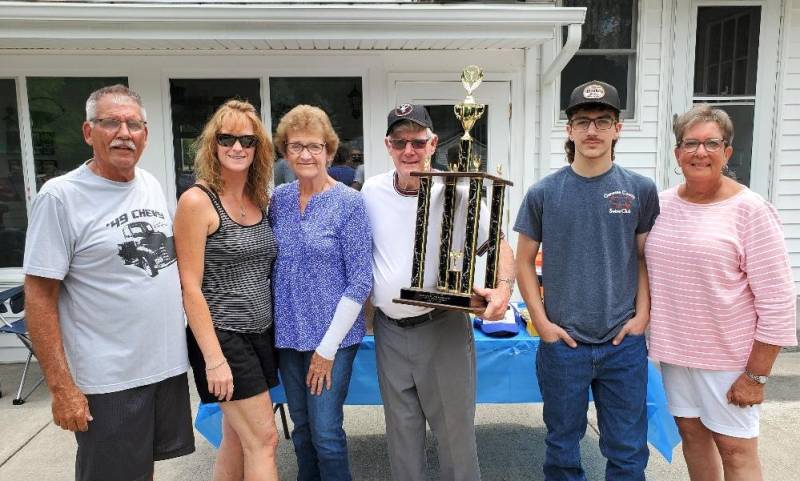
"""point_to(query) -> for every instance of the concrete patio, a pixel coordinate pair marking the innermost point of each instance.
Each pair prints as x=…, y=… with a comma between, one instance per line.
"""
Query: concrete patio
x=510, y=440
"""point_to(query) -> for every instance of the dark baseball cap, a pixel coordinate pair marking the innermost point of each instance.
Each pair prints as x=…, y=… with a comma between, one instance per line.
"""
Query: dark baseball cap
x=415, y=113
x=594, y=92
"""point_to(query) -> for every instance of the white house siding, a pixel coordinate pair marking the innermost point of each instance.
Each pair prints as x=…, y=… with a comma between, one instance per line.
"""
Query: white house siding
x=786, y=192
x=638, y=145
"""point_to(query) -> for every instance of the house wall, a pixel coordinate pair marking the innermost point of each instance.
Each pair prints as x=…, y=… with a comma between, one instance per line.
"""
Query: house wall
x=149, y=75
x=645, y=143
x=786, y=178
x=638, y=145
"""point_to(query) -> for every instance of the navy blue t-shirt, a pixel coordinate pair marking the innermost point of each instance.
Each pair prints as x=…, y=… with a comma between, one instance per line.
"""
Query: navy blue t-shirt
x=587, y=227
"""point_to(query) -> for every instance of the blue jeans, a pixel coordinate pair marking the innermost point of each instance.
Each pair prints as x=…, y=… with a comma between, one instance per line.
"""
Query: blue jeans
x=617, y=376
x=320, y=443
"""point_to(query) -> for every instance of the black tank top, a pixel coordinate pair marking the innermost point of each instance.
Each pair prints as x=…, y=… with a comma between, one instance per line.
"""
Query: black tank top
x=237, y=272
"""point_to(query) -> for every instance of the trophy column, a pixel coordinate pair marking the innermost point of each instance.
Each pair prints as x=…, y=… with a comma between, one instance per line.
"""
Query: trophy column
x=471, y=240
x=496, y=219
x=421, y=232
x=445, y=281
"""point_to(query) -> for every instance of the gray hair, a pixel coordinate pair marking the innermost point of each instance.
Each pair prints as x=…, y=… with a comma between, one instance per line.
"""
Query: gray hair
x=701, y=113
x=119, y=91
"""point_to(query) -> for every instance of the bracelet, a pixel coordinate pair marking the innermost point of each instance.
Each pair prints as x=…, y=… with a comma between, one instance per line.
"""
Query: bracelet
x=224, y=361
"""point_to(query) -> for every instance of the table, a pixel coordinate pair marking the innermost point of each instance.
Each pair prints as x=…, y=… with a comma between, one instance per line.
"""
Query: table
x=506, y=375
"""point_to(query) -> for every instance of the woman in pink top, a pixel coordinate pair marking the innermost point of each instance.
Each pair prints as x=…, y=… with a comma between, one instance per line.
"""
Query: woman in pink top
x=723, y=301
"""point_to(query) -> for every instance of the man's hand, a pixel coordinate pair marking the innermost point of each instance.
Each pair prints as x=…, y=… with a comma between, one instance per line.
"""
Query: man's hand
x=636, y=325
x=496, y=301
x=319, y=374
x=71, y=409
x=745, y=392
x=552, y=333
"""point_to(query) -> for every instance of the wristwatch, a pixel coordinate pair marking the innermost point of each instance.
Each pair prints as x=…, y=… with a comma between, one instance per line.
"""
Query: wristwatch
x=756, y=377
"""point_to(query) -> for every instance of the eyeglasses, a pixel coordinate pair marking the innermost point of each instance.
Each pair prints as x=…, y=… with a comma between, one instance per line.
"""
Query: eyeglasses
x=297, y=148
x=416, y=144
x=603, y=123
x=229, y=140
x=711, y=145
x=112, y=125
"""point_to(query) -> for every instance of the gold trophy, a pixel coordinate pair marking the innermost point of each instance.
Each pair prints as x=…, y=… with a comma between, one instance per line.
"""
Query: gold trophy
x=456, y=270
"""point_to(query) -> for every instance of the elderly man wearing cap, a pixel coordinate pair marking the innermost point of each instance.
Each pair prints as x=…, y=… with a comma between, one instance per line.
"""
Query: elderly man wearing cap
x=592, y=217
x=426, y=358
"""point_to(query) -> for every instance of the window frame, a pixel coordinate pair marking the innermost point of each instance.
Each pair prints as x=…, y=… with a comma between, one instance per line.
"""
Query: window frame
x=632, y=53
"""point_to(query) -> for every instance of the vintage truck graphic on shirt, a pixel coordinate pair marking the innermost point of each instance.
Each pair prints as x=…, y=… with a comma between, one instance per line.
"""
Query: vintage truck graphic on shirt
x=146, y=248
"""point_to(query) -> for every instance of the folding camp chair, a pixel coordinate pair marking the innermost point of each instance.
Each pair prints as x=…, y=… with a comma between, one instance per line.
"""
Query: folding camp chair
x=13, y=301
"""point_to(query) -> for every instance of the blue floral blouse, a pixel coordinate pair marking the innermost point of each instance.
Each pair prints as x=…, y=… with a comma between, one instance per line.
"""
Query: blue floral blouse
x=323, y=254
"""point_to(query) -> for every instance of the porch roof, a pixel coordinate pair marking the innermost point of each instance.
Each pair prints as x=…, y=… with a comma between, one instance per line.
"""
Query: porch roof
x=268, y=25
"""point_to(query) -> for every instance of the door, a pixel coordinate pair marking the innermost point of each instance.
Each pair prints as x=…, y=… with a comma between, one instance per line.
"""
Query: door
x=732, y=66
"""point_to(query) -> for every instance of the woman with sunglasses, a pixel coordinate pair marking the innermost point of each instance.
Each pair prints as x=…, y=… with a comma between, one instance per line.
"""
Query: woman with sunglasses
x=226, y=249
x=723, y=300
x=323, y=275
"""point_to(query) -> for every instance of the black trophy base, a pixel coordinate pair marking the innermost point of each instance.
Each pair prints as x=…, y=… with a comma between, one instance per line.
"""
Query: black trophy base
x=436, y=299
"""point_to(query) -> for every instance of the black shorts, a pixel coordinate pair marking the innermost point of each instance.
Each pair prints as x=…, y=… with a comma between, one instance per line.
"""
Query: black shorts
x=252, y=358
x=133, y=428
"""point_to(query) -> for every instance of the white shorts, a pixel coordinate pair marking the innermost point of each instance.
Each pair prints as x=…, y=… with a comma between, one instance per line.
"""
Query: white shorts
x=702, y=393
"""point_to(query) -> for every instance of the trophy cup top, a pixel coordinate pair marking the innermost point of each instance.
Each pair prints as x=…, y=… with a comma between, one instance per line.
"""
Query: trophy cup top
x=471, y=78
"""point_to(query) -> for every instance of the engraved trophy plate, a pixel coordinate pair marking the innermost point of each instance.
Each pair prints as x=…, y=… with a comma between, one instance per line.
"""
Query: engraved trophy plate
x=457, y=249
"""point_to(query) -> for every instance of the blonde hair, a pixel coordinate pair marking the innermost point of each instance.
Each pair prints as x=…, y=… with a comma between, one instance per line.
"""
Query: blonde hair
x=306, y=118
x=206, y=163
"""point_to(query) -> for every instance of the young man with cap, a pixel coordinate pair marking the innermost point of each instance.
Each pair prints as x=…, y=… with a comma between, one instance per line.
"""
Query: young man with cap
x=426, y=357
x=592, y=218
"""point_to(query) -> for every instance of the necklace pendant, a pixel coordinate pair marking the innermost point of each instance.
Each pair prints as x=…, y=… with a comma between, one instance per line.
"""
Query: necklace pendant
x=242, y=213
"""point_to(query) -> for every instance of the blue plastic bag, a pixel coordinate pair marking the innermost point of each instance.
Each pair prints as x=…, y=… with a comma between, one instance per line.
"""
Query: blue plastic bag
x=209, y=423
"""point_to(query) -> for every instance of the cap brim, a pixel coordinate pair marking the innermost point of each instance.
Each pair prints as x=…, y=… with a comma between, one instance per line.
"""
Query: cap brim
x=389, y=129
x=577, y=106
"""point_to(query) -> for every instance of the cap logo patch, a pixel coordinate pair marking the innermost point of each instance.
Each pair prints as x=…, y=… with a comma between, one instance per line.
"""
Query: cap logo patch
x=594, y=91
x=403, y=110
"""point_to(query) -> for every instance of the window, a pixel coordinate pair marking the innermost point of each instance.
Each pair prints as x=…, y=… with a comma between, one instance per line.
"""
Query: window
x=13, y=213
x=607, y=51
x=340, y=98
x=193, y=102
x=725, y=68
x=58, y=109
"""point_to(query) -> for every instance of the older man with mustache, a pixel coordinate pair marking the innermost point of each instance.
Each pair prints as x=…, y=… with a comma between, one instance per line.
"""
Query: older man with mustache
x=103, y=301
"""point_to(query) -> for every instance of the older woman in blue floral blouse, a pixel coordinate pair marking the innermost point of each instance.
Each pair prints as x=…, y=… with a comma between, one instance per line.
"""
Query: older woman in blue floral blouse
x=322, y=277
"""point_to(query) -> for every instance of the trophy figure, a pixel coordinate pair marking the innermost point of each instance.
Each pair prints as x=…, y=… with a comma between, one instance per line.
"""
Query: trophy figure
x=456, y=264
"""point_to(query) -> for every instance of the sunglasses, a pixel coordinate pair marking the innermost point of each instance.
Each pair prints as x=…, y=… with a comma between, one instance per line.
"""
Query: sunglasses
x=228, y=140
x=400, y=144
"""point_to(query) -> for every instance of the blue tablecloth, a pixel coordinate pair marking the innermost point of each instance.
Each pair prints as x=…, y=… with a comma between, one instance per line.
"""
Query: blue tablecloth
x=506, y=374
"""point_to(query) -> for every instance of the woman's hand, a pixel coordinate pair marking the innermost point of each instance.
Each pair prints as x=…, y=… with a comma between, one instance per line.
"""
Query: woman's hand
x=220, y=380
x=319, y=374
x=745, y=392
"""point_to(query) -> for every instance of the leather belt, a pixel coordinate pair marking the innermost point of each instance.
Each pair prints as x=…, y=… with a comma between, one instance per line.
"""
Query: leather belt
x=407, y=322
